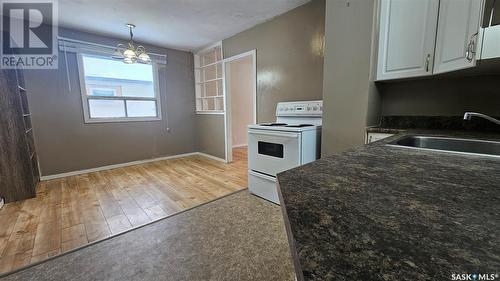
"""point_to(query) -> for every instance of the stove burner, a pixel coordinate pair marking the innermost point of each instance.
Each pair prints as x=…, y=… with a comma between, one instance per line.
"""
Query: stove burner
x=273, y=124
x=299, y=125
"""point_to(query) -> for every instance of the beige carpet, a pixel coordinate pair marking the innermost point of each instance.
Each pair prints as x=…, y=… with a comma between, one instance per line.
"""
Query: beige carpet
x=238, y=237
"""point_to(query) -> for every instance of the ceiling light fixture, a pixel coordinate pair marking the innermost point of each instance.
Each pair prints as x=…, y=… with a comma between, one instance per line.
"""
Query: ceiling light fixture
x=130, y=53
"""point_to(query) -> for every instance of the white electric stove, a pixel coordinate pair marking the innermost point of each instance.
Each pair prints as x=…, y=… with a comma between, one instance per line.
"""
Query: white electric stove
x=294, y=140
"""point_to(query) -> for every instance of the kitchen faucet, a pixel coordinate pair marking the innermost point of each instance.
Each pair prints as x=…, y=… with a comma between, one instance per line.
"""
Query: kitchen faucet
x=469, y=115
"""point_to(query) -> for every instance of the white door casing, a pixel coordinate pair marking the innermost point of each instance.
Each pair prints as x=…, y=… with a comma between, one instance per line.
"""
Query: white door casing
x=227, y=100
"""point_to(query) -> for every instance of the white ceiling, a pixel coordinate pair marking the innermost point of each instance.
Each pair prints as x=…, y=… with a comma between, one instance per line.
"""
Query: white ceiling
x=179, y=24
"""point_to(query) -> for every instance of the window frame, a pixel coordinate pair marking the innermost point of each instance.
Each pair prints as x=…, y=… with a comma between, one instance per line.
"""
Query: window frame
x=115, y=89
x=86, y=98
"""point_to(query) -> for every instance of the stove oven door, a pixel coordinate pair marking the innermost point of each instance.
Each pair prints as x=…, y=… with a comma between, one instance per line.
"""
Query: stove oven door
x=271, y=152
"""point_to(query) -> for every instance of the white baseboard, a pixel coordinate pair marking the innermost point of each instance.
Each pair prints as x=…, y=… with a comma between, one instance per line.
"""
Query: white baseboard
x=212, y=157
x=121, y=165
x=240, y=145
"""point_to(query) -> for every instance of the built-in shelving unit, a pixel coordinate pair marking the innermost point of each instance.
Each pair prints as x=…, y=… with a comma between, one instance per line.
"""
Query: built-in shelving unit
x=209, y=78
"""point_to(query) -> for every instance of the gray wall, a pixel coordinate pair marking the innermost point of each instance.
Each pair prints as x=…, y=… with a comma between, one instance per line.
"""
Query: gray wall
x=211, y=135
x=289, y=57
x=444, y=96
x=289, y=66
x=350, y=97
x=65, y=143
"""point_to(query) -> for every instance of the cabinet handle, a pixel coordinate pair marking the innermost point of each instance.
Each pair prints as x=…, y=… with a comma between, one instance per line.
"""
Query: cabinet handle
x=427, y=62
x=471, y=48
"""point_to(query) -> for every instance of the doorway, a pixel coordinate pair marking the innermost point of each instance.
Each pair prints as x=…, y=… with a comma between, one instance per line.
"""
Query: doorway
x=240, y=100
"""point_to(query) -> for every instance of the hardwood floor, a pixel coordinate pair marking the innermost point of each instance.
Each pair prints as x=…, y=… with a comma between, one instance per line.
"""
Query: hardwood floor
x=71, y=212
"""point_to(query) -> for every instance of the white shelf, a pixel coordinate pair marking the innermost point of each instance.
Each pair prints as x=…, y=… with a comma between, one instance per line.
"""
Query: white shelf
x=208, y=81
x=208, y=112
x=210, y=97
x=207, y=65
x=209, y=92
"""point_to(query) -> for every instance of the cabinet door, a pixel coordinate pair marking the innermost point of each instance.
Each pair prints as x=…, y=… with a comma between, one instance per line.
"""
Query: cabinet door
x=406, y=38
x=457, y=34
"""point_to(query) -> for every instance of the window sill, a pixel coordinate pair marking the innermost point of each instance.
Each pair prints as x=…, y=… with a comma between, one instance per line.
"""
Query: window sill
x=121, y=120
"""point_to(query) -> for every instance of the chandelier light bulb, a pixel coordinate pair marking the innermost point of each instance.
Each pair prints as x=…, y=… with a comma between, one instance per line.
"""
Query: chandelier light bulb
x=129, y=54
x=144, y=58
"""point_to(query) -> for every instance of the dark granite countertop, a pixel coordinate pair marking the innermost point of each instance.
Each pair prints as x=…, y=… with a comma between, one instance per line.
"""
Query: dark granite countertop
x=386, y=213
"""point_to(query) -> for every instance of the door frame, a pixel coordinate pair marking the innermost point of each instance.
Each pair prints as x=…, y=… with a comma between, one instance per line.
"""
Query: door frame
x=227, y=100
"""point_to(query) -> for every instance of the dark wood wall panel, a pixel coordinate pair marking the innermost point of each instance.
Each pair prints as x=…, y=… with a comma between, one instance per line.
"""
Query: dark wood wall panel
x=18, y=176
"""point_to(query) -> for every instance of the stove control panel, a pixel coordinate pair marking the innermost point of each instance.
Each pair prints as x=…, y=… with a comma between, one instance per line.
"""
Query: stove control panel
x=300, y=108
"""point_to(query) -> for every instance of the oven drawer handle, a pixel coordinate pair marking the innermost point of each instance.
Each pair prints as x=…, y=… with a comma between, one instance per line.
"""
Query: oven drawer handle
x=276, y=134
x=262, y=176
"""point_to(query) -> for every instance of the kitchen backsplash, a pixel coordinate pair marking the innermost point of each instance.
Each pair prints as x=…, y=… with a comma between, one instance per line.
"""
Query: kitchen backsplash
x=438, y=123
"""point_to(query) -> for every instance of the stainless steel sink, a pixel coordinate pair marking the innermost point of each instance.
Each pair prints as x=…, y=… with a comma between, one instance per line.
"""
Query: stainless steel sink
x=454, y=145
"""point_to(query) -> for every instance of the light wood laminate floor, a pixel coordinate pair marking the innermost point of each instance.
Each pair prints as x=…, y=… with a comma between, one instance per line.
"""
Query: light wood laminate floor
x=73, y=211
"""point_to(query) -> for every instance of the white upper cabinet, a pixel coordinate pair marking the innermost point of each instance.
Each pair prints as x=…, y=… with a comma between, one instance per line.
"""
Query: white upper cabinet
x=406, y=38
x=425, y=37
x=457, y=34
x=490, y=31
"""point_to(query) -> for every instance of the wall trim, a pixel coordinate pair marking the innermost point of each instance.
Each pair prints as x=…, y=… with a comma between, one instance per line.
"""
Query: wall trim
x=126, y=164
x=240, y=145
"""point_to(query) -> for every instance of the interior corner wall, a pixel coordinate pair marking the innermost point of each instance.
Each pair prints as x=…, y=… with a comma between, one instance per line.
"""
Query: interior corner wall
x=349, y=94
x=211, y=134
x=289, y=52
x=65, y=143
x=289, y=66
